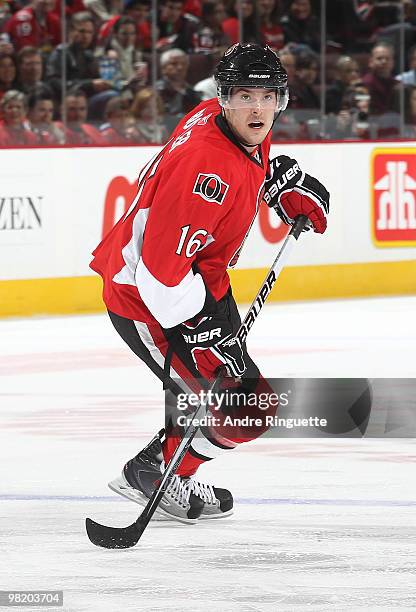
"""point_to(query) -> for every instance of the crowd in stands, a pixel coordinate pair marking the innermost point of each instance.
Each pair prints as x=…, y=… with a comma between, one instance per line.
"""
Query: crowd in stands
x=95, y=86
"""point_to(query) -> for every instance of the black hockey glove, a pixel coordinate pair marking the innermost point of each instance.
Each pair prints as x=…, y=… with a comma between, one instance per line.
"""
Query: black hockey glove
x=215, y=333
x=291, y=193
x=283, y=175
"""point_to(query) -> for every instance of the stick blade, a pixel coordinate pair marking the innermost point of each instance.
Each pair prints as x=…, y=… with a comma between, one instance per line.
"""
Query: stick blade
x=113, y=537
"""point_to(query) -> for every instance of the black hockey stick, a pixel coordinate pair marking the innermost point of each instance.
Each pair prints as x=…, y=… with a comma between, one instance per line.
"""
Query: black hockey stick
x=126, y=537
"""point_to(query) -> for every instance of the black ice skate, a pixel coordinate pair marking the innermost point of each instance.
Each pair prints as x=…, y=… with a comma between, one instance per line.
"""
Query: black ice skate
x=141, y=475
x=185, y=500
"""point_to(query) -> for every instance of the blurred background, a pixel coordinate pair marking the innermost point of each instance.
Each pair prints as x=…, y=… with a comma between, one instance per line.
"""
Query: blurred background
x=125, y=71
x=91, y=89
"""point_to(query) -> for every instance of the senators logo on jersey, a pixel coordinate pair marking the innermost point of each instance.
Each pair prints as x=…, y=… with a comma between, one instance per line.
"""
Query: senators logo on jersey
x=210, y=187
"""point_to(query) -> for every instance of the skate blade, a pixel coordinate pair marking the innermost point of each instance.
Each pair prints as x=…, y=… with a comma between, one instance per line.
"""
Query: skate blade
x=208, y=517
x=121, y=486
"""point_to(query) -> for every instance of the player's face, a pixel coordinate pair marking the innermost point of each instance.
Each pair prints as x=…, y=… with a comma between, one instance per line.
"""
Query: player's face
x=250, y=114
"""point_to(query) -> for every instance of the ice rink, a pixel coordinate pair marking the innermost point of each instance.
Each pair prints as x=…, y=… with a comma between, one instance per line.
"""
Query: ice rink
x=319, y=525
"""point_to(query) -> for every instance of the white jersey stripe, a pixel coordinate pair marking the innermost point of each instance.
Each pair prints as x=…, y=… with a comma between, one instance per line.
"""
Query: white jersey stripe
x=204, y=447
x=171, y=305
x=133, y=249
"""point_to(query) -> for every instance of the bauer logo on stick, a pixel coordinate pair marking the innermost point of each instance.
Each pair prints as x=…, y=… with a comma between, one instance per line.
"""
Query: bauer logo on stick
x=211, y=188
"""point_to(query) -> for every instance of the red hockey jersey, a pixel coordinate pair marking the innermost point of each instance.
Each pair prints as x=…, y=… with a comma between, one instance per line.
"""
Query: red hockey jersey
x=26, y=30
x=196, y=202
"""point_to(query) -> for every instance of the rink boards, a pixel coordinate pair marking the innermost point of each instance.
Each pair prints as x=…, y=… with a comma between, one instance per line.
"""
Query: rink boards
x=56, y=204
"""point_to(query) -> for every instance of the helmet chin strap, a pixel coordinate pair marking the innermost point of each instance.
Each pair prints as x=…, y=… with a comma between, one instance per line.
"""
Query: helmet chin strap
x=276, y=117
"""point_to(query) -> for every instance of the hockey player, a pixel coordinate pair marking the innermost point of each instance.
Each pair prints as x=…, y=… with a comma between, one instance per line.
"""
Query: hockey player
x=164, y=264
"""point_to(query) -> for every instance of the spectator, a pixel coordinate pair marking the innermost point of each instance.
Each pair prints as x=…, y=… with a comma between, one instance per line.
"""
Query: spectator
x=193, y=7
x=361, y=102
x=300, y=26
x=148, y=111
x=14, y=128
x=288, y=127
x=303, y=94
x=379, y=80
x=41, y=111
x=351, y=24
x=29, y=70
x=35, y=25
x=7, y=74
x=76, y=129
x=392, y=31
x=410, y=112
x=175, y=29
x=209, y=38
x=351, y=122
x=287, y=58
x=102, y=10
x=81, y=66
x=6, y=47
x=120, y=127
x=347, y=73
x=71, y=7
x=139, y=11
x=5, y=14
x=231, y=26
x=409, y=77
x=207, y=88
x=123, y=43
x=271, y=30
x=177, y=95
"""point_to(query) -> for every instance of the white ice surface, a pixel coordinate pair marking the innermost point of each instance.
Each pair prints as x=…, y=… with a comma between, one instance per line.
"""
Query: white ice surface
x=319, y=524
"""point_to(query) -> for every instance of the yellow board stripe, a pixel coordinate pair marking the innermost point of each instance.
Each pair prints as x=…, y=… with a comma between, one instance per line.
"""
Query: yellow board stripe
x=77, y=295
x=72, y=295
x=330, y=281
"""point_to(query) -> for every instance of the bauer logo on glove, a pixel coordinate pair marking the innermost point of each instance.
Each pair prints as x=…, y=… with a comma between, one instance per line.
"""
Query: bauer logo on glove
x=215, y=333
x=291, y=193
x=283, y=173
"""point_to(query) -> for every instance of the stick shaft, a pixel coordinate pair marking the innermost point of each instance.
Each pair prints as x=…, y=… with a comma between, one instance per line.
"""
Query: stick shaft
x=245, y=327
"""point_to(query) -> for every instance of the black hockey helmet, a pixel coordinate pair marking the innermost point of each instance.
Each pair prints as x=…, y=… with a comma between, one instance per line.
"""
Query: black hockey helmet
x=251, y=65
